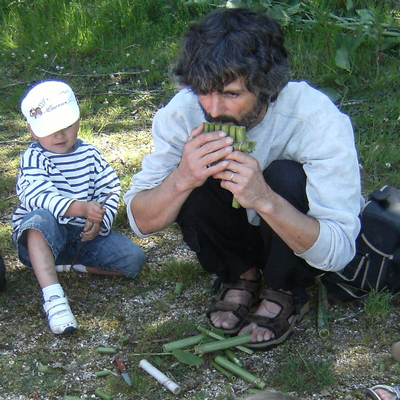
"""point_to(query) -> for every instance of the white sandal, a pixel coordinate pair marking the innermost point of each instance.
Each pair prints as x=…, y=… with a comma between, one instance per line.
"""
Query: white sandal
x=371, y=393
x=59, y=316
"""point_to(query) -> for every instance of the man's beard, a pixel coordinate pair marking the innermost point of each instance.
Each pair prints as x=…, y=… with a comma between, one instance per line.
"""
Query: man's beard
x=249, y=120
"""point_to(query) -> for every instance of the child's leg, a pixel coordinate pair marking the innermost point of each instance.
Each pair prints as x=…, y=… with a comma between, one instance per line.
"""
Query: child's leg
x=114, y=254
x=42, y=258
x=38, y=238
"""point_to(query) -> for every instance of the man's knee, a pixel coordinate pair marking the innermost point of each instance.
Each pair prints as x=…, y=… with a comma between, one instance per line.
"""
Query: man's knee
x=288, y=179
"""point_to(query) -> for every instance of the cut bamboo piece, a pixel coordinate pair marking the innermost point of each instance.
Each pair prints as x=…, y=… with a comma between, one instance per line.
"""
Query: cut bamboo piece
x=245, y=375
x=323, y=321
x=222, y=344
x=183, y=343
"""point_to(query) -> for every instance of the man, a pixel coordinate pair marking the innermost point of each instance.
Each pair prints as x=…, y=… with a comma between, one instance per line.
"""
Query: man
x=299, y=191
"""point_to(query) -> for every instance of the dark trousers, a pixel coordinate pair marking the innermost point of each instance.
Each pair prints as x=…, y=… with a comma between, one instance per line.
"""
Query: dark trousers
x=228, y=245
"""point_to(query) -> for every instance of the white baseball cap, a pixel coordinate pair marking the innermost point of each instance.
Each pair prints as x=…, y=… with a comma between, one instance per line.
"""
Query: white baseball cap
x=49, y=107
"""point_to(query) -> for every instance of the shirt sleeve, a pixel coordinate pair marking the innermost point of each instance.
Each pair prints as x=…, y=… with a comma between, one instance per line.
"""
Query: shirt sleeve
x=171, y=128
x=333, y=191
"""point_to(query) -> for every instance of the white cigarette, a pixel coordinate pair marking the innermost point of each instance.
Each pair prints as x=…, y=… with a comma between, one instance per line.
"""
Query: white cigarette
x=163, y=379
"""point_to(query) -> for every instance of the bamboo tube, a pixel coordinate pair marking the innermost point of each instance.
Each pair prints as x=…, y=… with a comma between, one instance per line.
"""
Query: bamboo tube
x=179, y=288
x=224, y=372
x=102, y=395
x=233, y=357
x=72, y=398
x=232, y=132
x=121, y=342
x=222, y=344
x=106, y=372
x=241, y=134
x=245, y=375
x=323, y=322
x=219, y=337
x=45, y=369
x=106, y=350
x=182, y=343
x=225, y=128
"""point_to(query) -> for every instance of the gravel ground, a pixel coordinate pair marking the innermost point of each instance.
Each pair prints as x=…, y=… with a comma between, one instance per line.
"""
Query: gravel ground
x=146, y=311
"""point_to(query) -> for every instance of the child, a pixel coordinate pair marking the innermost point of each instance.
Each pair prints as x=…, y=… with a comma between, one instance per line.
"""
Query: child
x=62, y=184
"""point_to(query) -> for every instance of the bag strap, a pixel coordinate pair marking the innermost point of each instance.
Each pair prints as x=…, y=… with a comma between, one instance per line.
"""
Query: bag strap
x=380, y=195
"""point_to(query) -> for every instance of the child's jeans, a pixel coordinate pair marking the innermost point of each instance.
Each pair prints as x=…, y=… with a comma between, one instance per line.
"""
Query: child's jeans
x=111, y=252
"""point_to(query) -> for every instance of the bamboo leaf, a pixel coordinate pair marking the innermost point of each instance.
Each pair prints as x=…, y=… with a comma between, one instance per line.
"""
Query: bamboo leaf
x=342, y=59
x=186, y=357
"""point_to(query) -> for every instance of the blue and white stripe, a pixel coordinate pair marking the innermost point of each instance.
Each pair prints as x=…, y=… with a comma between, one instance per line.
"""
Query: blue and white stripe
x=53, y=181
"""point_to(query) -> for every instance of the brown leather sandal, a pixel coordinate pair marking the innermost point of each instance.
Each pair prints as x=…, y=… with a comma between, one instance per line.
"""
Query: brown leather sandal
x=278, y=325
x=239, y=310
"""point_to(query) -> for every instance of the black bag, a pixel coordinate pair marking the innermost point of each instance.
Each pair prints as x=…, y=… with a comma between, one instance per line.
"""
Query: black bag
x=2, y=274
x=376, y=264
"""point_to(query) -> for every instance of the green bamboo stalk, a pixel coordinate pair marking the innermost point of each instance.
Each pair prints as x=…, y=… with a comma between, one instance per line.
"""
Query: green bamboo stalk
x=222, y=344
x=233, y=357
x=232, y=132
x=72, y=398
x=223, y=371
x=245, y=375
x=105, y=372
x=225, y=128
x=180, y=286
x=182, y=343
x=123, y=341
x=219, y=337
x=241, y=134
x=45, y=369
x=323, y=322
x=102, y=395
x=106, y=350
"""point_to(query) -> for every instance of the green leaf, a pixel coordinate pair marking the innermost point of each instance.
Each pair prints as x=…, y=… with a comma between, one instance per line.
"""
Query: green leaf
x=366, y=15
x=187, y=357
x=342, y=59
x=331, y=93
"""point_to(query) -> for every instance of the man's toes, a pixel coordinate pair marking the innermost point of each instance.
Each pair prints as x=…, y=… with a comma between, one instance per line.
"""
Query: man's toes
x=247, y=329
x=225, y=320
x=230, y=322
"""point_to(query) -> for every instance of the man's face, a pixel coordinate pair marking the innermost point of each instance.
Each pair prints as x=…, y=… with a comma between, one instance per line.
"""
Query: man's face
x=234, y=104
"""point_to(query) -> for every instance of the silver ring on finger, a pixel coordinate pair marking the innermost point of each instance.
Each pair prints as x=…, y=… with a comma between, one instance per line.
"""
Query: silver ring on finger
x=233, y=175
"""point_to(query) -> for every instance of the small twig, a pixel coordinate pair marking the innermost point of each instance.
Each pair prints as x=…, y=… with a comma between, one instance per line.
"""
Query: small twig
x=94, y=75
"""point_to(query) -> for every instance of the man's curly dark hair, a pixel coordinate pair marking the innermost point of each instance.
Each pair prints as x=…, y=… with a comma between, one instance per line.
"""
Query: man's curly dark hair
x=233, y=43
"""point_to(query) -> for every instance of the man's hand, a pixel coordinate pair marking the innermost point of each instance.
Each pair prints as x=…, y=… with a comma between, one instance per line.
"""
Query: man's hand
x=244, y=178
x=202, y=155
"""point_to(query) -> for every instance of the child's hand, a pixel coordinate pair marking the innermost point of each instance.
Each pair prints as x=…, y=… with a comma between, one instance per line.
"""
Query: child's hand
x=94, y=212
x=90, y=231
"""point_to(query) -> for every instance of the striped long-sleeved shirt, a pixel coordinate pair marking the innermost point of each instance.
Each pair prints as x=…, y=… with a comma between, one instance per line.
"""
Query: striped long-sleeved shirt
x=53, y=181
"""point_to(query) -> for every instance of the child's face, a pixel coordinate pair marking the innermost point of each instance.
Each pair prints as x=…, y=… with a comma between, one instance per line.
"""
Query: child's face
x=60, y=142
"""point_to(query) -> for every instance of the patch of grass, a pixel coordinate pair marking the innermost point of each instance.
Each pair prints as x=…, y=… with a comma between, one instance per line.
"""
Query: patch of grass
x=377, y=306
x=118, y=56
x=298, y=373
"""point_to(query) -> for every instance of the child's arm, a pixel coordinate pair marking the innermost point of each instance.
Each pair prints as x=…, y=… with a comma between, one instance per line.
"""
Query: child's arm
x=92, y=211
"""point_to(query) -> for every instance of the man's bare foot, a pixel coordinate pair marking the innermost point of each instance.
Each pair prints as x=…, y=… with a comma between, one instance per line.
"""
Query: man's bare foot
x=384, y=392
x=258, y=333
x=385, y=395
x=226, y=319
